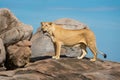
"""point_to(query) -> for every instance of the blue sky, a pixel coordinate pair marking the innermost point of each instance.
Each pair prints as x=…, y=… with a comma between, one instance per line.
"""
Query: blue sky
x=102, y=16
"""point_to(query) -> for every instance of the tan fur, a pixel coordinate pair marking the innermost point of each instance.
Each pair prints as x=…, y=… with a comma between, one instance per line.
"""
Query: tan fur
x=60, y=36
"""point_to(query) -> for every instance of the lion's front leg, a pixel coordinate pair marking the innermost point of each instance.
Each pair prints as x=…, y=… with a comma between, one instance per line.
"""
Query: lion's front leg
x=57, y=50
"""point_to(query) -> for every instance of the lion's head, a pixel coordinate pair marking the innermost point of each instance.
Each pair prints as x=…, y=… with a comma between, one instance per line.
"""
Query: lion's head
x=47, y=27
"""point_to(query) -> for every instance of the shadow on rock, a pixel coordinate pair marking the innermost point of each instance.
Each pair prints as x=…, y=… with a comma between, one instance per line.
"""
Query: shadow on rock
x=44, y=57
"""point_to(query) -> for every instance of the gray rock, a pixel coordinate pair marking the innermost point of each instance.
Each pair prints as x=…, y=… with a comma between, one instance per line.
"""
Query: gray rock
x=11, y=29
x=42, y=44
x=70, y=23
x=2, y=52
x=7, y=20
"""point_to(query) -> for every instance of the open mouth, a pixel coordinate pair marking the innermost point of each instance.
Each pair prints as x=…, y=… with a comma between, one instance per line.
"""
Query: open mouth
x=44, y=32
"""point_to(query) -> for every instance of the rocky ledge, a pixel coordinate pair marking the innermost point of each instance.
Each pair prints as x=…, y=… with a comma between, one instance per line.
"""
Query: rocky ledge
x=45, y=68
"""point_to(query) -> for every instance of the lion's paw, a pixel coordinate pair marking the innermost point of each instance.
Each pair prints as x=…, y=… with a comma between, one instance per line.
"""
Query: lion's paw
x=55, y=57
x=78, y=57
x=92, y=60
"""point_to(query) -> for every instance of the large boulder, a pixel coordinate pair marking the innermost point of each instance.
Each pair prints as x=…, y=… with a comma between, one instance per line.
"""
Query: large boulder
x=12, y=32
x=18, y=54
x=42, y=44
x=70, y=23
x=2, y=52
x=11, y=29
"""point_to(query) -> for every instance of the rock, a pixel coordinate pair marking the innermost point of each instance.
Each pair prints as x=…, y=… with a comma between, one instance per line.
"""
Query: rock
x=70, y=23
x=2, y=52
x=42, y=44
x=15, y=36
x=7, y=20
x=11, y=29
x=18, y=54
x=65, y=69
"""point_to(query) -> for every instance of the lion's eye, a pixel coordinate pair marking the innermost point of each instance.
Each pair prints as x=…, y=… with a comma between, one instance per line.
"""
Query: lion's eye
x=46, y=25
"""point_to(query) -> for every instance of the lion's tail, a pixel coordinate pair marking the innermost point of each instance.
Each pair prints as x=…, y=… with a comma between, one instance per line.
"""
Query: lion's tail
x=104, y=55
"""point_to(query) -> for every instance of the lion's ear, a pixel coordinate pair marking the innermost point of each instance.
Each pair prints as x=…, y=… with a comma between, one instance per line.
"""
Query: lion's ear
x=42, y=23
x=50, y=23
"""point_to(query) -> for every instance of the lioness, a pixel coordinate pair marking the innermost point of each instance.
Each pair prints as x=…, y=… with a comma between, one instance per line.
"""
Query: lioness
x=60, y=36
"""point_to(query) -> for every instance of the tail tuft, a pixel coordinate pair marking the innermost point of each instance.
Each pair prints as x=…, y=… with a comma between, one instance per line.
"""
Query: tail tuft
x=105, y=56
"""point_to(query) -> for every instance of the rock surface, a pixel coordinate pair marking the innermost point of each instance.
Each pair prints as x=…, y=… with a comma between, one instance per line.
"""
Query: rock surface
x=65, y=69
x=2, y=52
x=42, y=44
x=70, y=23
x=13, y=31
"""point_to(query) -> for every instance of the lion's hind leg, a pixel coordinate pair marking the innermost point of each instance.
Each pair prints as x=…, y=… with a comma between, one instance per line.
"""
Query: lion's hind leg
x=93, y=49
x=83, y=54
x=84, y=51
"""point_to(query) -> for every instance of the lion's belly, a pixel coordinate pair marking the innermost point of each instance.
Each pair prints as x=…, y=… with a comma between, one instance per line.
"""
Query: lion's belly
x=72, y=41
